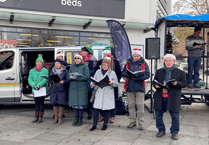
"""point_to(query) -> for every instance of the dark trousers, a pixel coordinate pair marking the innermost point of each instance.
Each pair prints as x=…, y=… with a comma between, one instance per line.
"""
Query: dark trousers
x=39, y=104
x=90, y=105
x=174, y=116
x=113, y=110
x=96, y=116
x=78, y=112
x=194, y=64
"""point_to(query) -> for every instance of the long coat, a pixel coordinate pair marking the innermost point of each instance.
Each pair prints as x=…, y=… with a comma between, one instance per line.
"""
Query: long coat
x=58, y=94
x=104, y=97
x=36, y=79
x=174, y=99
x=78, y=93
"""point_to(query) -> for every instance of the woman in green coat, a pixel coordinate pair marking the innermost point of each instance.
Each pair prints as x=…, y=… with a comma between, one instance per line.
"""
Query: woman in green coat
x=78, y=93
x=36, y=82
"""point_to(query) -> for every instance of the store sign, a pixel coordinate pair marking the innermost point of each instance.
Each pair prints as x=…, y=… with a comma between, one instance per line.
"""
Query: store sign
x=100, y=8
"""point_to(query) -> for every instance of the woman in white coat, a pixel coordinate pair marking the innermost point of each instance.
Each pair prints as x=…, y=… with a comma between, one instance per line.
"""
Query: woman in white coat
x=104, y=97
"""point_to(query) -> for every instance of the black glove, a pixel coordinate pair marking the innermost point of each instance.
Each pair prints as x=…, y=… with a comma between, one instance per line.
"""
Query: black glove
x=126, y=75
x=36, y=87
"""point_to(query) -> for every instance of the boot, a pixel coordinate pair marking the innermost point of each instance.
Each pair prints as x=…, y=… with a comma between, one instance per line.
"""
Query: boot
x=80, y=121
x=75, y=122
x=36, y=117
x=40, y=117
x=61, y=109
x=55, y=114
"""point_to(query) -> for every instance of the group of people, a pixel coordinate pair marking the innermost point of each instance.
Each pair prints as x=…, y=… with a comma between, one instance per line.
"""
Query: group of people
x=81, y=88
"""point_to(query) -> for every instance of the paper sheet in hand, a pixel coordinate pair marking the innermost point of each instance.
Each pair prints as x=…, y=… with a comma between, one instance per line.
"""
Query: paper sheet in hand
x=165, y=85
x=102, y=83
x=76, y=74
x=40, y=93
x=136, y=73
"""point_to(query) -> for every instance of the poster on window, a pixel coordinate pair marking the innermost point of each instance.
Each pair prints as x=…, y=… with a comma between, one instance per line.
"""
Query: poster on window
x=141, y=47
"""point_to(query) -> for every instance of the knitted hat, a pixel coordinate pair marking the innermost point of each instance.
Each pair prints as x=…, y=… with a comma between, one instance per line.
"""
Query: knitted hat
x=78, y=55
x=107, y=49
x=58, y=60
x=137, y=50
x=60, y=53
x=197, y=28
x=40, y=58
x=170, y=55
x=107, y=60
x=88, y=47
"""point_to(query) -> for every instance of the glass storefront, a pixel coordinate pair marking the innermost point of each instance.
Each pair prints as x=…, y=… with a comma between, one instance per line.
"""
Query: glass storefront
x=11, y=37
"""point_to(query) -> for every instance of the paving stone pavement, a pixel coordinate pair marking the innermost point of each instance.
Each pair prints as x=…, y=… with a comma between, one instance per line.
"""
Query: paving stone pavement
x=16, y=129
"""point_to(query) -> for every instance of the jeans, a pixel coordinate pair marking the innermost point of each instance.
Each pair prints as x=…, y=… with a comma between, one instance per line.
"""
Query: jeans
x=174, y=116
x=78, y=112
x=39, y=104
x=193, y=64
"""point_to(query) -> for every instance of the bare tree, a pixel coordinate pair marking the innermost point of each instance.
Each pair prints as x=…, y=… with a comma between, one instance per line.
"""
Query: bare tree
x=192, y=7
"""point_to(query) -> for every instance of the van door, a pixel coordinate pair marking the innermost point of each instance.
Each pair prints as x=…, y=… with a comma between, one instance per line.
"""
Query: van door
x=8, y=75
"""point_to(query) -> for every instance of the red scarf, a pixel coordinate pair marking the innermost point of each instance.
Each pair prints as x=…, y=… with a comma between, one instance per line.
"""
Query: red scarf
x=126, y=80
x=86, y=58
x=38, y=69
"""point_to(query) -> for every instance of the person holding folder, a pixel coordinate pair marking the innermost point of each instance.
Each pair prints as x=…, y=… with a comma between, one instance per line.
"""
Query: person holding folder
x=168, y=99
x=135, y=87
x=38, y=83
x=78, y=93
x=58, y=96
x=104, y=96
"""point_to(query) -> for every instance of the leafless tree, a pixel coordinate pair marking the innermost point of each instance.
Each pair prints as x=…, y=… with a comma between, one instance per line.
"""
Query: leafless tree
x=192, y=7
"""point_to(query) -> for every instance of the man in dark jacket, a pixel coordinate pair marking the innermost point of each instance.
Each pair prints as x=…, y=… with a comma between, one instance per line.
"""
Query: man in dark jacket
x=194, y=57
x=168, y=98
x=135, y=87
x=115, y=65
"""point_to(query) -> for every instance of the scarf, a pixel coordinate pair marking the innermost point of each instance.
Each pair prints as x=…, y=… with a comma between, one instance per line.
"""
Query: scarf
x=86, y=58
x=126, y=80
x=38, y=69
x=59, y=71
x=167, y=76
x=104, y=72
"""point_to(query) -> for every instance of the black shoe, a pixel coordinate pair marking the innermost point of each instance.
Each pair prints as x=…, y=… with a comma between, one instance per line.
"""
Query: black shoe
x=175, y=136
x=89, y=117
x=80, y=121
x=190, y=86
x=104, y=127
x=93, y=128
x=197, y=86
x=160, y=133
x=75, y=122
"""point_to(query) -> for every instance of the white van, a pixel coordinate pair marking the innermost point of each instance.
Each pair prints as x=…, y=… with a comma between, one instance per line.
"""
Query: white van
x=16, y=63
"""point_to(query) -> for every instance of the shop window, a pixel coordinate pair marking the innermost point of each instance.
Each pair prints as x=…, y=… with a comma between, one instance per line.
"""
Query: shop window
x=6, y=60
x=52, y=40
x=95, y=34
x=55, y=32
x=89, y=40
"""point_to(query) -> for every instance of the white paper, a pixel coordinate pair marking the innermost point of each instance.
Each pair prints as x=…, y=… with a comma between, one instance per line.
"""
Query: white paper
x=40, y=93
x=76, y=74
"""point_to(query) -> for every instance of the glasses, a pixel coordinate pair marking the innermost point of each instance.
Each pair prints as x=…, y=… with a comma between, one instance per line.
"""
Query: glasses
x=76, y=58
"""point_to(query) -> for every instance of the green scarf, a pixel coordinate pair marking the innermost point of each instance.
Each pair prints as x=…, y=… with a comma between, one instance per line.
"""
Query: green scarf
x=168, y=72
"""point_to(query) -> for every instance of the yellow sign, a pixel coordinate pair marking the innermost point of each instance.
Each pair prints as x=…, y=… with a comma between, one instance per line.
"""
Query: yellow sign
x=69, y=58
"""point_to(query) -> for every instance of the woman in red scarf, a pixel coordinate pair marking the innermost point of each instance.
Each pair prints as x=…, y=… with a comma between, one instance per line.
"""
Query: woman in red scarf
x=36, y=82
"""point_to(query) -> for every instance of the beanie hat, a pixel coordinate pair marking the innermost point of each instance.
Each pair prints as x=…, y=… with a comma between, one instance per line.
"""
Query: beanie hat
x=137, y=50
x=40, y=58
x=107, y=49
x=58, y=60
x=88, y=47
x=60, y=53
x=170, y=55
x=107, y=60
x=78, y=55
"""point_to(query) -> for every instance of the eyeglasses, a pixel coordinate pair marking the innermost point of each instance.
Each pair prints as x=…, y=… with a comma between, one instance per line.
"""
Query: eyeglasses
x=76, y=58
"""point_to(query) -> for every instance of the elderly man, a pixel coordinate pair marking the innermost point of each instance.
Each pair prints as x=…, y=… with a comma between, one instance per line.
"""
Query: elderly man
x=168, y=98
x=135, y=87
x=194, y=57
x=115, y=65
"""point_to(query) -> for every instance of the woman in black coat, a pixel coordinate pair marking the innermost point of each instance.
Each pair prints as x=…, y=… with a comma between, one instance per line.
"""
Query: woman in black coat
x=168, y=98
x=58, y=96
